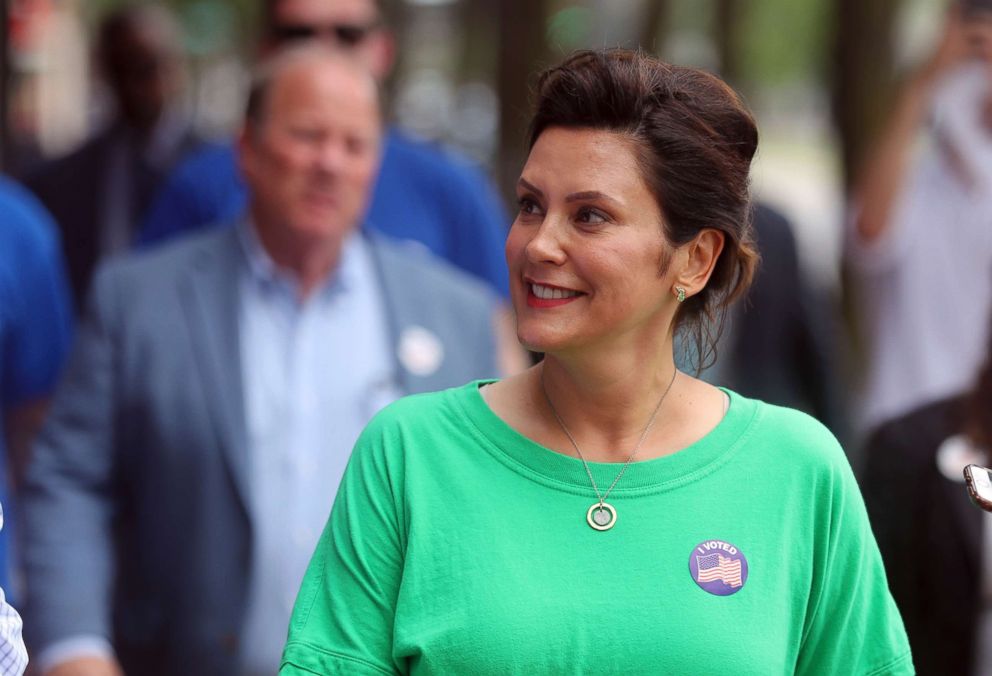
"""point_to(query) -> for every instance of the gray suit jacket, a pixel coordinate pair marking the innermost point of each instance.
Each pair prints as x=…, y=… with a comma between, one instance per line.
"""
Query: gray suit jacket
x=137, y=525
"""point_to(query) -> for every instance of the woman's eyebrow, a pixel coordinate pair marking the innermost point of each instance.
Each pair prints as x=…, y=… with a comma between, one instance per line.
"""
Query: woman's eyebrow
x=590, y=195
x=527, y=185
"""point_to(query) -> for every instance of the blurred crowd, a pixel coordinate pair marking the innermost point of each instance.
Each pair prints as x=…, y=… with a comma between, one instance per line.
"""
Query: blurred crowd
x=193, y=334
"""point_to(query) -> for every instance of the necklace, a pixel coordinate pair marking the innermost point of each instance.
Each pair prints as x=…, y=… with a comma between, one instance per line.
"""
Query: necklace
x=601, y=515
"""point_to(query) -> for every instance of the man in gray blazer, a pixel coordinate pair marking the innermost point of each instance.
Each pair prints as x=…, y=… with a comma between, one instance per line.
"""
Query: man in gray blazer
x=194, y=448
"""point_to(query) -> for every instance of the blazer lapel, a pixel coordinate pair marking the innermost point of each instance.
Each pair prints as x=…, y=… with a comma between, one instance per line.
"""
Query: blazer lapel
x=211, y=298
x=392, y=291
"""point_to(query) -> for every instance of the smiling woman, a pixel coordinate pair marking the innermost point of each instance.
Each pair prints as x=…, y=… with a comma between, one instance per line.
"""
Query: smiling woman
x=605, y=252
x=675, y=146
x=603, y=512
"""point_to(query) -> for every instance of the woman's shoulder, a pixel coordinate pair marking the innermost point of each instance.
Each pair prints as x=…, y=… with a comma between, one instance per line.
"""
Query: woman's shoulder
x=793, y=433
x=426, y=411
x=416, y=431
x=790, y=421
x=800, y=459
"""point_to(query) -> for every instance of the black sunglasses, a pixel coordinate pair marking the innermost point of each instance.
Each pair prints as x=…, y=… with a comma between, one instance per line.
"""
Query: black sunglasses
x=345, y=34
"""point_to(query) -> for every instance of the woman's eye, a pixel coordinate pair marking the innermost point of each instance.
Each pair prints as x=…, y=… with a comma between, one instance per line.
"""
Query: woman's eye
x=528, y=206
x=591, y=216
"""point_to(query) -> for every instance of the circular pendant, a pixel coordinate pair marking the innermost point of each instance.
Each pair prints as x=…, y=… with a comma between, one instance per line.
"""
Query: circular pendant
x=601, y=516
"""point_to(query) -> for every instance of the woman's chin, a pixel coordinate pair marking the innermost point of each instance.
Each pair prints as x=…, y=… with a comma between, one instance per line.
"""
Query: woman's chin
x=541, y=341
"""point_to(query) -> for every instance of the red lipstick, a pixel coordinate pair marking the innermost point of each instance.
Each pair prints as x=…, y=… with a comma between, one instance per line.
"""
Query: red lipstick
x=534, y=301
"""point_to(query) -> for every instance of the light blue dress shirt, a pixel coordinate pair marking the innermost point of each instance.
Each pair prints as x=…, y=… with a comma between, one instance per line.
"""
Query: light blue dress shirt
x=314, y=371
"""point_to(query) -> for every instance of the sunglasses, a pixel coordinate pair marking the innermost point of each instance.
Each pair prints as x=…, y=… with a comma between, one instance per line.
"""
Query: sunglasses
x=347, y=35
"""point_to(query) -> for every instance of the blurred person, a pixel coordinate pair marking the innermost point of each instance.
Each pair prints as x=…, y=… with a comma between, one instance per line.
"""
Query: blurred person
x=779, y=344
x=35, y=333
x=935, y=544
x=219, y=384
x=99, y=192
x=505, y=526
x=920, y=249
x=422, y=193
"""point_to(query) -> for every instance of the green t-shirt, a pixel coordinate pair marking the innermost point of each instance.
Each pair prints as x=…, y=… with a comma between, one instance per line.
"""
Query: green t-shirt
x=458, y=546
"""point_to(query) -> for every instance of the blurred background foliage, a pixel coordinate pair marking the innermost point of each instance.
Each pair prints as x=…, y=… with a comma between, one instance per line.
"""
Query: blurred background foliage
x=818, y=74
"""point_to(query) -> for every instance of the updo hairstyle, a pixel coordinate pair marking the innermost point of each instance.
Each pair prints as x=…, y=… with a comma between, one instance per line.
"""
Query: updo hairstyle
x=694, y=140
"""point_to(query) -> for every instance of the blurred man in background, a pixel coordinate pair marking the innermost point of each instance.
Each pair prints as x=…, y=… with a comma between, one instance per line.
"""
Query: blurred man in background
x=99, y=193
x=421, y=193
x=190, y=461
x=920, y=249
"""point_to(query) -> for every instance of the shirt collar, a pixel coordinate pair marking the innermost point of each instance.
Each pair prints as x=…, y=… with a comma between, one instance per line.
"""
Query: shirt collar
x=267, y=274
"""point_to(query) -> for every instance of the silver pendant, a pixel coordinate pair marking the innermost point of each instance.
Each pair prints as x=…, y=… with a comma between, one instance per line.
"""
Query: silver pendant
x=601, y=516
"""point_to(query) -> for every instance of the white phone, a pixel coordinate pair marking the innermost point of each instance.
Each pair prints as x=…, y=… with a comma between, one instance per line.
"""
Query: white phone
x=979, y=480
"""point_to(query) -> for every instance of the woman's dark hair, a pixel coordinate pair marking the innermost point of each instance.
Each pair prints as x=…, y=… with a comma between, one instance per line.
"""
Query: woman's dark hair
x=694, y=142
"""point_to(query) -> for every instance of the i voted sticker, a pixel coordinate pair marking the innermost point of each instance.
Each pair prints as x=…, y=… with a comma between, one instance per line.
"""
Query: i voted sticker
x=718, y=567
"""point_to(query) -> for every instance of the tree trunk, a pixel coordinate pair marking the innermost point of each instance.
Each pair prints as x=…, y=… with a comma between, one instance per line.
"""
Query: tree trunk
x=522, y=53
x=654, y=28
x=5, y=84
x=727, y=35
x=863, y=75
x=478, y=49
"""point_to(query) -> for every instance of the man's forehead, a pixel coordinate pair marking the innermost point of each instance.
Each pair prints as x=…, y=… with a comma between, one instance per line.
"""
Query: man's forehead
x=314, y=79
x=324, y=11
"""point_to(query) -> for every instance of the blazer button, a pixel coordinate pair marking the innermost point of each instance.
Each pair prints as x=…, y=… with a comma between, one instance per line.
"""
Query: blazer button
x=229, y=642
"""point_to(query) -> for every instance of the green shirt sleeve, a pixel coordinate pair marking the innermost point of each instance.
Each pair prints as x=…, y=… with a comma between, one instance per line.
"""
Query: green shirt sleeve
x=343, y=619
x=852, y=624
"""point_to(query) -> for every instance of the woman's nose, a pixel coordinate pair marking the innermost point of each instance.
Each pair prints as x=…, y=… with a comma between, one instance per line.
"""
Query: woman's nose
x=547, y=244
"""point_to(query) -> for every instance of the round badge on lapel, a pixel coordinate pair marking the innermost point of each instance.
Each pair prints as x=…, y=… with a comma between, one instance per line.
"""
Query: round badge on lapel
x=954, y=453
x=420, y=351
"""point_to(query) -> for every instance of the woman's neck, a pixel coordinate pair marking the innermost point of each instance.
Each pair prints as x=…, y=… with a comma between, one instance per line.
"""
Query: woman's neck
x=606, y=405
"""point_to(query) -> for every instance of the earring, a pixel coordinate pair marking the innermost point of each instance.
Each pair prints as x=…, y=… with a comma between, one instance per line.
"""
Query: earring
x=680, y=294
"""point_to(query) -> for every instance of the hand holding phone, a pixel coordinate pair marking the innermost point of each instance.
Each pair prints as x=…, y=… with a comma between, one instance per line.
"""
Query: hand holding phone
x=979, y=481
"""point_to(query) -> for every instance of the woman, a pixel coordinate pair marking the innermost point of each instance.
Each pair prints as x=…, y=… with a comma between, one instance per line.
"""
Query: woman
x=603, y=512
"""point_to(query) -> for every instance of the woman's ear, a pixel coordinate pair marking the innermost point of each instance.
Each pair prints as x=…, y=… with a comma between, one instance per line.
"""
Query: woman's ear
x=699, y=257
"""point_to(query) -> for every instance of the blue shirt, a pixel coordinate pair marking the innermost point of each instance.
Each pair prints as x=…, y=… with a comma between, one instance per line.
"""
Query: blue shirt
x=309, y=389
x=422, y=194
x=35, y=316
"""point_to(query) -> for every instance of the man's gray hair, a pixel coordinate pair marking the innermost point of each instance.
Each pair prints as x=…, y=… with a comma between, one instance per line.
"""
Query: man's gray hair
x=269, y=70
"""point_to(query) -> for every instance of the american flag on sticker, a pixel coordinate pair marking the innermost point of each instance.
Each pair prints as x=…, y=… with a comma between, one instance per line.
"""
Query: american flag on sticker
x=713, y=567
